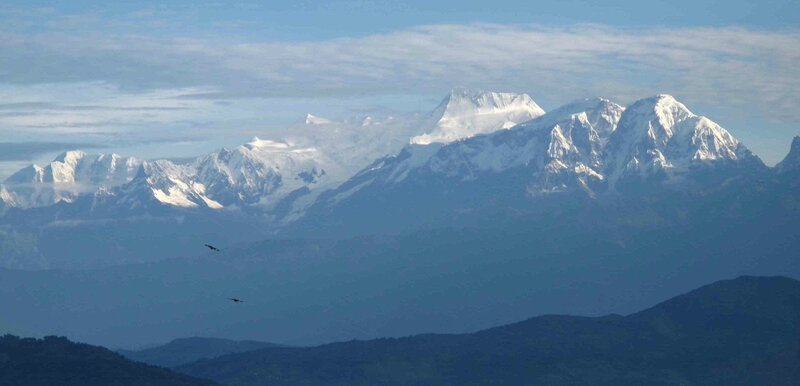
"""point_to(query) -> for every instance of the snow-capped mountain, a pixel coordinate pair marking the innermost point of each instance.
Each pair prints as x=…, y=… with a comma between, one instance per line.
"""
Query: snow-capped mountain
x=69, y=175
x=466, y=113
x=588, y=145
x=258, y=174
x=791, y=163
x=463, y=114
x=582, y=148
x=559, y=149
x=261, y=172
x=660, y=135
x=157, y=182
x=373, y=174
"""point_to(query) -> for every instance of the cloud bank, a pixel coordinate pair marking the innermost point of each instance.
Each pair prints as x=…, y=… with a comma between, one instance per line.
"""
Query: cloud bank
x=750, y=67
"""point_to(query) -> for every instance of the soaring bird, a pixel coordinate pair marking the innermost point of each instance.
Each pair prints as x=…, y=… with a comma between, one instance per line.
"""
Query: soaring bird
x=235, y=300
x=211, y=247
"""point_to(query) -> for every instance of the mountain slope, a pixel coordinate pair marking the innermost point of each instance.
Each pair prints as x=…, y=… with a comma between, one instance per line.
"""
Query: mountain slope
x=158, y=184
x=748, y=335
x=57, y=361
x=186, y=350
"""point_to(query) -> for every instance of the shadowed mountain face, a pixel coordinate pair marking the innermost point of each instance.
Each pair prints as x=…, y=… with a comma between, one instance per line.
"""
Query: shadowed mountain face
x=182, y=351
x=744, y=331
x=57, y=361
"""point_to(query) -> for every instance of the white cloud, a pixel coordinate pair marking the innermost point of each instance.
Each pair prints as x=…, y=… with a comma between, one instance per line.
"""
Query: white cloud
x=744, y=67
x=148, y=84
x=30, y=111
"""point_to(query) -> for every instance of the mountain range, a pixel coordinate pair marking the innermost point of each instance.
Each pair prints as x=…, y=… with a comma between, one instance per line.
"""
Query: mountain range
x=262, y=172
x=358, y=231
x=478, y=155
x=576, y=145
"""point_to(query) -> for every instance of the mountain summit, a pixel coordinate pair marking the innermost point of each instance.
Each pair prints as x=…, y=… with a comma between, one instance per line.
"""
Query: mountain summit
x=659, y=134
x=466, y=113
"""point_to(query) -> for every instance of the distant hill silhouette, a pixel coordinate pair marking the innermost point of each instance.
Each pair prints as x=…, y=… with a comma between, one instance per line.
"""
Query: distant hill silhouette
x=744, y=331
x=185, y=350
x=57, y=361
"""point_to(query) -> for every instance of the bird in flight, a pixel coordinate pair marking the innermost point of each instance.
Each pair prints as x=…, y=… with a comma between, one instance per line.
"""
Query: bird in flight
x=235, y=300
x=211, y=247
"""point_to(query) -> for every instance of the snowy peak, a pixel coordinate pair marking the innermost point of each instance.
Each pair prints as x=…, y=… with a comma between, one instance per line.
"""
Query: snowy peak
x=562, y=149
x=466, y=113
x=260, y=172
x=664, y=107
x=555, y=152
x=600, y=113
x=792, y=160
x=79, y=167
x=654, y=118
x=69, y=175
x=165, y=183
x=661, y=134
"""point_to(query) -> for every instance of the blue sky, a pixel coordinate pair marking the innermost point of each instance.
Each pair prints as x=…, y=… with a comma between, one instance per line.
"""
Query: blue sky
x=178, y=78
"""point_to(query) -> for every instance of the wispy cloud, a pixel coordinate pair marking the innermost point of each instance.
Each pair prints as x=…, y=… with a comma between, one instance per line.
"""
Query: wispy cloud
x=744, y=67
x=92, y=108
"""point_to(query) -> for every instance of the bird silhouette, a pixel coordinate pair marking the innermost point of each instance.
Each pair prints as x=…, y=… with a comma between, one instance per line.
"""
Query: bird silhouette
x=211, y=247
x=235, y=300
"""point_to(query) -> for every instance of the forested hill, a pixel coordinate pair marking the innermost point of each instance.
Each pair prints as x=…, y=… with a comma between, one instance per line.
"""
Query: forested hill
x=57, y=361
x=744, y=331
